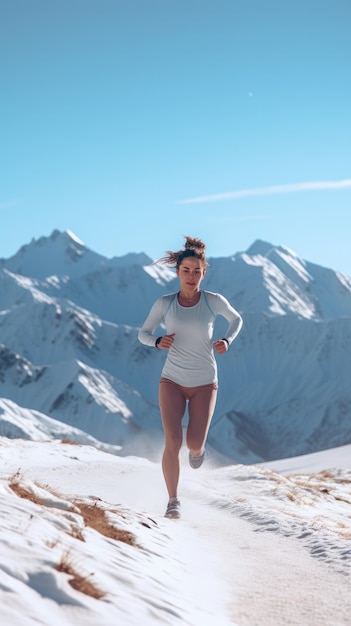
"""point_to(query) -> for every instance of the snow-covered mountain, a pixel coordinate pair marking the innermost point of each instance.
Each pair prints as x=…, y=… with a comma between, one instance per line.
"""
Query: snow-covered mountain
x=69, y=350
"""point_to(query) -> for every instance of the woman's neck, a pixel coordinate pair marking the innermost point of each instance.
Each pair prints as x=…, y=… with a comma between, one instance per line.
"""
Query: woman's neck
x=187, y=298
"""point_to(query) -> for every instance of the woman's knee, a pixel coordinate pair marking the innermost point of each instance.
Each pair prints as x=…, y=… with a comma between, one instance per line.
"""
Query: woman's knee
x=174, y=440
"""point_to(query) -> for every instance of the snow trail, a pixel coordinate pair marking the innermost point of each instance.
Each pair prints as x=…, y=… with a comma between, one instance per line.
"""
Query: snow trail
x=242, y=554
x=269, y=579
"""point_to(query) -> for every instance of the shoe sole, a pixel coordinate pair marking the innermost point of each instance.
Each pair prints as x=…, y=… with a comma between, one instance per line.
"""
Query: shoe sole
x=172, y=515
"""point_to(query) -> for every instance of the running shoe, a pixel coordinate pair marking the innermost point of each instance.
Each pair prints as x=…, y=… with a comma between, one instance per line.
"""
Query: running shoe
x=196, y=461
x=173, y=509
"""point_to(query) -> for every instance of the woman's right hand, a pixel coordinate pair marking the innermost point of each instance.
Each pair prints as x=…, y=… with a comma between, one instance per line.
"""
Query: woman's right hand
x=166, y=342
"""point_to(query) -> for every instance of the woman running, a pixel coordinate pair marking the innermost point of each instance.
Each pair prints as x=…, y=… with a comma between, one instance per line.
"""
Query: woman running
x=189, y=375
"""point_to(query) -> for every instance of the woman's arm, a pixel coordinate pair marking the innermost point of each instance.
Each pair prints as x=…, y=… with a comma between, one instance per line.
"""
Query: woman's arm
x=234, y=319
x=153, y=320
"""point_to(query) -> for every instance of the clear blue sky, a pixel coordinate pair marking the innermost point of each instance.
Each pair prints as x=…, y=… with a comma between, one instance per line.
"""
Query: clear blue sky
x=113, y=112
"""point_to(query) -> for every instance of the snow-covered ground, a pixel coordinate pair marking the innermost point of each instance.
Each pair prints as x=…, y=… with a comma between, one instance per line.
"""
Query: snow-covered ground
x=84, y=540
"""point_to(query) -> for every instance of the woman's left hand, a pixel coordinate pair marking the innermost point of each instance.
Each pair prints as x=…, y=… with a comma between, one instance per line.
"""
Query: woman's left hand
x=220, y=346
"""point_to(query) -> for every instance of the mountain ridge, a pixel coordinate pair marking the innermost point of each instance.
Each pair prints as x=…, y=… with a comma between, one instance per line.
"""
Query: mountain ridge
x=284, y=387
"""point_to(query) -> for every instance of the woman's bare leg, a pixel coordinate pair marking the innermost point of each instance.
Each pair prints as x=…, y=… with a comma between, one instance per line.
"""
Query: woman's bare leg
x=171, y=468
x=201, y=408
x=172, y=407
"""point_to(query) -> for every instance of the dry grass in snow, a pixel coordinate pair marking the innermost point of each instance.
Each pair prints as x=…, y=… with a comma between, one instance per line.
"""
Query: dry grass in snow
x=93, y=515
x=77, y=581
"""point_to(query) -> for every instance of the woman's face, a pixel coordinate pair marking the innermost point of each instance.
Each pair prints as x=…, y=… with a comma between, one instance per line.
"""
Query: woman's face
x=191, y=272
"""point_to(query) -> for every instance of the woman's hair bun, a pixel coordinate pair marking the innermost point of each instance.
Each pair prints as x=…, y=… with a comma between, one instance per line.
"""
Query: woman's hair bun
x=193, y=243
x=194, y=247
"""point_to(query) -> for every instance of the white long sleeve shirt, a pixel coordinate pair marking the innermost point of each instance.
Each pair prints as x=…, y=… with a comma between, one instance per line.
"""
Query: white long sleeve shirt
x=190, y=361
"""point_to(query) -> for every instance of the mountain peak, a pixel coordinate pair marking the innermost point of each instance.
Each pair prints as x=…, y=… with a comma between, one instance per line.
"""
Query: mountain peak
x=259, y=247
x=60, y=254
x=57, y=236
x=67, y=236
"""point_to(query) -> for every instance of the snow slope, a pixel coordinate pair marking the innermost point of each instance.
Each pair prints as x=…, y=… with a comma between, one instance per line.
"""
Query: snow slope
x=254, y=547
